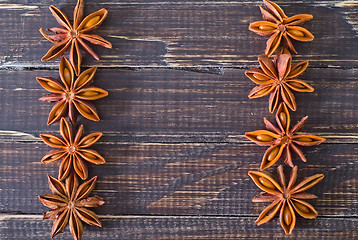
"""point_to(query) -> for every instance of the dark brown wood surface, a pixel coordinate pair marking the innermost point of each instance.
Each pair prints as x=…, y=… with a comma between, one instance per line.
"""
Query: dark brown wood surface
x=175, y=117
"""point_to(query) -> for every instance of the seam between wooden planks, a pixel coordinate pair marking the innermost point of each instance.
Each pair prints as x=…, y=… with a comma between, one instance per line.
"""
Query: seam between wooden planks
x=186, y=67
x=28, y=138
x=4, y=217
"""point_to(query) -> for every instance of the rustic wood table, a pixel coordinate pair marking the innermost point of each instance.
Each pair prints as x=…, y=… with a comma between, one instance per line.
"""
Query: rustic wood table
x=174, y=120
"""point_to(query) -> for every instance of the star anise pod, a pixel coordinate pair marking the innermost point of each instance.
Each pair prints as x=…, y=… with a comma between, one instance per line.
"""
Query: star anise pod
x=282, y=140
x=286, y=198
x=69, y=203
x=72, y=96
x=281, y=27
x=75, y=35
x=277, y=78
x=72, y=150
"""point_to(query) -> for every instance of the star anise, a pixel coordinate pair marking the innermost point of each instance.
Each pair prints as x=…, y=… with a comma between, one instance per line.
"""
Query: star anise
x=283, y=139
x=281, y=27
x=69, y=203
x=75, y=35
x=286, y=198
x=72, y=95
x=277, y=78
x=72, y=150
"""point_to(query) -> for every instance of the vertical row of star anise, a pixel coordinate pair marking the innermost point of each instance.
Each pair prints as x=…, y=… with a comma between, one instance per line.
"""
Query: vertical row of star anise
x=73, y=93
x=278, y=78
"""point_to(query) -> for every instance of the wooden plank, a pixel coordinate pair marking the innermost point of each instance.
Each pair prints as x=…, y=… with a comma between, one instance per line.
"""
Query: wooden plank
x=175, y=119
x=166, y=228
x=166, y=105
x=179, y=179
x=182, y=33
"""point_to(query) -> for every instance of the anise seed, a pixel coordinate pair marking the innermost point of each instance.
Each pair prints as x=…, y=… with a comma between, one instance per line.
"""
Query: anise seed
x=53, y=85
x=302, y=207
x=92, y=21
x=272, y=155
x=266, y=28
x=67, y=75
x=296, y=33
x=283, y=119
x=89, y=94
x=54, y=141
x=264, y=138
x=260, y=77
x=266, y=183
x=89, y=141
x=304, y=139
x=83, y=79
x=287, y=216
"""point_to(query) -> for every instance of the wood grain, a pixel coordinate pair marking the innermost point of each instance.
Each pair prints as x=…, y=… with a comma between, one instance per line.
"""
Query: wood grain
x=182, y=33
x=174, y=120
x=168, y=228
x=180, y=178
x=169, y=105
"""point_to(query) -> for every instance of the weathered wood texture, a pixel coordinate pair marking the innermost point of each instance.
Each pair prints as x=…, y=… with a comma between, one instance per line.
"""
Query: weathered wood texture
x=180, y=33
x=175, y=116
x=188, y=228
x=176, y=105
x=180, y=179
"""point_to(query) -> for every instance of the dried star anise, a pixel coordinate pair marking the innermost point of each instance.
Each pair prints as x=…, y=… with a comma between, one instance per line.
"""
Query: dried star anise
x=277, y=78
x=72, y=150
x=282, y=140
x=74, y=35
x=69, y=203
x=286, y=198
x=71, y=94
x=281, y=27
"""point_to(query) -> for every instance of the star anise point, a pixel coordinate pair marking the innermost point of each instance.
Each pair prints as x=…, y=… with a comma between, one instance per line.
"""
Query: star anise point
x=69, y=203
x=285, y=197
x=73, y=36
x=282, y=139
x=281, y=28
x=278, y=78
x=72, y=94
x=72, y=150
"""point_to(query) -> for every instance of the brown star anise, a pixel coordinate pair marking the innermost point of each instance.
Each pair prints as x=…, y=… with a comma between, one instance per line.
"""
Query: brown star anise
x=71, y=94
x=69, y=203
x=72, y=150
x=281, y=27
x=282, y=140
x=286, y=198
x=74, y=36
x=277, y=78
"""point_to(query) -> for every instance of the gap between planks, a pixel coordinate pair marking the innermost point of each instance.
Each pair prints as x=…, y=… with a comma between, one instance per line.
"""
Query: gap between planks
x=4, y=217
x=192, y=68
x=20, y=137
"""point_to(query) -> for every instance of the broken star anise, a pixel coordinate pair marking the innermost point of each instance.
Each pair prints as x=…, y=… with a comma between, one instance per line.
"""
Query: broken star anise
x=281, y=27
x=72, y=150
x=75, y=35
x=286, y=198
x=277, y=78
x=69, y=203
x=283, y=139
x=72, y=95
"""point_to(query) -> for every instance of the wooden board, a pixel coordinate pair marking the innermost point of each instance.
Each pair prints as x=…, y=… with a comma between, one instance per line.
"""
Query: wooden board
x=180, y=33
x=188, y=228
x=174, y=120
x=178, y=178
x=169, y=105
